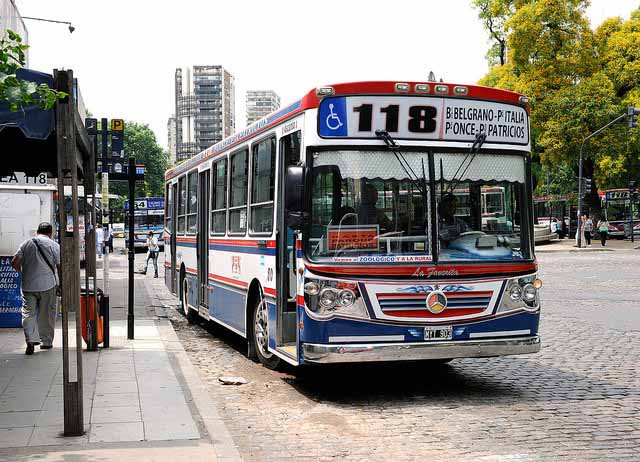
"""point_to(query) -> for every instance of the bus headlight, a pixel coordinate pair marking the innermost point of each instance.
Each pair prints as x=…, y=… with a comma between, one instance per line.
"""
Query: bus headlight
x=328, y=297
x=325, y=299
x=521, y=293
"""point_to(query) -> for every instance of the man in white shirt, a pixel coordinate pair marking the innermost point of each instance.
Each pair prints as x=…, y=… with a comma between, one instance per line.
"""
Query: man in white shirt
x=153, y=251
x=37, y=259
x=99, y=240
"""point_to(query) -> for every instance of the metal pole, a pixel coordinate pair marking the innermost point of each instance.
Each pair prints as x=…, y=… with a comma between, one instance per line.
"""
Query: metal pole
x=617, y=119
x=132, y=256
x=580, y=194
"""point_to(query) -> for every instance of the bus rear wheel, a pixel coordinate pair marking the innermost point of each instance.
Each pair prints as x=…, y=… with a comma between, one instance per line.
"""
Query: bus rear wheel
x=190, y=314
x=260, y=335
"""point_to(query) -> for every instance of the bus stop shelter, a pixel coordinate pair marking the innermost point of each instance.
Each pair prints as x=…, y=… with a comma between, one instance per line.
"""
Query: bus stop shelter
x=56, y=142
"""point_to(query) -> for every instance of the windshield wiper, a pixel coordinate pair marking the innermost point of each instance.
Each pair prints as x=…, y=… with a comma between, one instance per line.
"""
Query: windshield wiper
x=413, y=177
x=475, y=148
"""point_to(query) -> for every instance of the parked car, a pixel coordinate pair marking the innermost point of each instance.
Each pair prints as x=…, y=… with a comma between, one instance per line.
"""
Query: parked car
x=542, y=234
x=555, y=225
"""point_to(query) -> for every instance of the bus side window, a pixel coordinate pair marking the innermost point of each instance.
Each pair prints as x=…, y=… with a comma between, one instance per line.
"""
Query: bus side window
x=168, y=206
x=182, y=205
x=239, y=163
x=219, y=198
x=263, y=181
x=192, y=203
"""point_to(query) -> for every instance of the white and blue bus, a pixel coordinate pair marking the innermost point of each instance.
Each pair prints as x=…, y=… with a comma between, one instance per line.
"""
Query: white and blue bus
x=349, y=227
x=148, y=216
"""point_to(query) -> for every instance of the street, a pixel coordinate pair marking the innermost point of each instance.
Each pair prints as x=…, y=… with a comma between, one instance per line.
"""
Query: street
x=578, y=399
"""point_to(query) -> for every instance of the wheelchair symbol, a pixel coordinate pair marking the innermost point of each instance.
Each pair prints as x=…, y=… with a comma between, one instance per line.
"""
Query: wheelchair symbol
x=333, y=121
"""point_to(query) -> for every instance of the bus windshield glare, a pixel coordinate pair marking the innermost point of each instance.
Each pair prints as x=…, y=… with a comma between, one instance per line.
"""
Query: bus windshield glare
x=365, y=207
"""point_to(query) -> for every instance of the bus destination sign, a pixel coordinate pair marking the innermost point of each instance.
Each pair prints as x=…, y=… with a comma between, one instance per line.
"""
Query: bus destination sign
x=423, y=118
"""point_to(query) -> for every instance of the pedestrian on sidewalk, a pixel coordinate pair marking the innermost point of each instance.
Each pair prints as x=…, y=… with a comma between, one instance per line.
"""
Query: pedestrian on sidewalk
x=99, y=240
x=588, y=229
x=603, y=229
x=37, y=259
x=152, y=253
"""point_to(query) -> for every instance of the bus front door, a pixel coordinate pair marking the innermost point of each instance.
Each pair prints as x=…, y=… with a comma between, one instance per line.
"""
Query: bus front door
x=203, y=242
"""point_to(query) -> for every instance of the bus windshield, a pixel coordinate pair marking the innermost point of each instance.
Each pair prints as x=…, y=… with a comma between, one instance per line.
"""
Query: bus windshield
x=367, y=208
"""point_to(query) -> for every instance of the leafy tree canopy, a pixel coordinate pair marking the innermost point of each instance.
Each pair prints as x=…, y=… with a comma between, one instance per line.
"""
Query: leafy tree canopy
x=577, y=79
x=140, y=142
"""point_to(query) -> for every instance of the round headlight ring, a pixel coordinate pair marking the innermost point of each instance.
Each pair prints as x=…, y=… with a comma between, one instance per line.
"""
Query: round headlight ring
x=346, y=297
x=529, y=293
x=328, y=297
x=515, y=293
x=312, y=288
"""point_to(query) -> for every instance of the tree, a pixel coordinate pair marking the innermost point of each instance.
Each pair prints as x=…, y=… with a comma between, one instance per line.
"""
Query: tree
x=14, y=92
x=140, y=142
x=577, y=80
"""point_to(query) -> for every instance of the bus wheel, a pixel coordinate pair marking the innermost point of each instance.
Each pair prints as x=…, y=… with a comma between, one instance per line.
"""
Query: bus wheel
x=191, y=315
x=260, y=337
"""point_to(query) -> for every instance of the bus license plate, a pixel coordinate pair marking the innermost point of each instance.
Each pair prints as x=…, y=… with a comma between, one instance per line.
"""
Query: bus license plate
x=438, y=332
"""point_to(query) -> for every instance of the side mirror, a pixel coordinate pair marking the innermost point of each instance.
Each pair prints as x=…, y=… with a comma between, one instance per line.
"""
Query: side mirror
x=294, y=197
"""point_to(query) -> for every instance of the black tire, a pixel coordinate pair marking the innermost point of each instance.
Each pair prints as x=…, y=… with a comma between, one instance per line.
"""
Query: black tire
x=191, y=315
x=259, y=335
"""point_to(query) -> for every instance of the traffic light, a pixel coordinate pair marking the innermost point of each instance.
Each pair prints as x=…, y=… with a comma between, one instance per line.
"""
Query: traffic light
x=632, y=113
x=587, y=185
x=632, y=187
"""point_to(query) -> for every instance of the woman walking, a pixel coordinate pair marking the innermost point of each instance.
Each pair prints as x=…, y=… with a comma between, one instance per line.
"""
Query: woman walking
x=588, y=229
x=603, y=229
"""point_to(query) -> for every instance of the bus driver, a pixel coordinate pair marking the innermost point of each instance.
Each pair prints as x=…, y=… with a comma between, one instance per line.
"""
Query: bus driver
x=450, y=226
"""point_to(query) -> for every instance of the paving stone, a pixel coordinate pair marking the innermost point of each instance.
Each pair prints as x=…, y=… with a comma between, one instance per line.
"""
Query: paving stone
x=116, y=432
x=578, y=399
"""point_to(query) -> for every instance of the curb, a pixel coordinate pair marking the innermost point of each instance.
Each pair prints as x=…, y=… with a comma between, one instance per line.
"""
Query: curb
x=223, y=444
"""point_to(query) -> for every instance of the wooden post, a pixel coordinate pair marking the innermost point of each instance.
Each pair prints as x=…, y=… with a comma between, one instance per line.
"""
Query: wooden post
x=69, y=252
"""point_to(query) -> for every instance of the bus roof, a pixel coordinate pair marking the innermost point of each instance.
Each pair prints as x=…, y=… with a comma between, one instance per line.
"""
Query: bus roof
x=313, y=97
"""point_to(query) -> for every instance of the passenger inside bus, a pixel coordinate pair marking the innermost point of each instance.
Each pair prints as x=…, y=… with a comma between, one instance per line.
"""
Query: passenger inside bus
x=369, y=213
x=450, y=226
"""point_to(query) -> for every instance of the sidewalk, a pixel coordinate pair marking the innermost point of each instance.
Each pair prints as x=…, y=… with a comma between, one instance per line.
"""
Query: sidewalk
x=143, y=400
x=568, y=245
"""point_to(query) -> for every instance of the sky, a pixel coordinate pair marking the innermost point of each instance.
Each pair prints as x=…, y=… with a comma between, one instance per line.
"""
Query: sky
x=124, y=53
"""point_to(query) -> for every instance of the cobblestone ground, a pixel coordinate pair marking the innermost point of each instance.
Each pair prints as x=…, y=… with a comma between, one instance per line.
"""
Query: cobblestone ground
x=579, y=399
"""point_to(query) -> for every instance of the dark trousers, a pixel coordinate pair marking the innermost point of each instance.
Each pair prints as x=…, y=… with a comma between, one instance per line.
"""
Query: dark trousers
x=587, y=237
x=603, y=238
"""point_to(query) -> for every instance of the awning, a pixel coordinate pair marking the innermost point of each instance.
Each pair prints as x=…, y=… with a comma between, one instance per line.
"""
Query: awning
x=27, y=140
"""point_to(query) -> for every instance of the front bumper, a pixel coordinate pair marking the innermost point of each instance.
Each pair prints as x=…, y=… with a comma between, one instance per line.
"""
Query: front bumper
x=346, y=353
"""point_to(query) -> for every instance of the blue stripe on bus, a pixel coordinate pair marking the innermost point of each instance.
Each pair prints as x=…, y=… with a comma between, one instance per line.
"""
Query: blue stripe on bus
x=240, y=249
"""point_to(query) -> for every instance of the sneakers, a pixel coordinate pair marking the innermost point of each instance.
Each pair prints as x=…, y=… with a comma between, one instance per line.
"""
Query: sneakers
x=30, y=348
x=46, y=347
x=155, y=275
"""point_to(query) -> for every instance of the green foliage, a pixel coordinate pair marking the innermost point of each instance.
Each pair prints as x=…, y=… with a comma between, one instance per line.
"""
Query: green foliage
x=140, y=143
x=15, y=92
x=577, y=81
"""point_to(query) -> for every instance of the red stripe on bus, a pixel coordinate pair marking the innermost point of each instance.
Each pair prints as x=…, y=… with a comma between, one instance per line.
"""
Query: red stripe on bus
x=403, y=296
x=185, y=239
x=427, y=314
x=300, y=300
x=231, y=281
x=269, y=291
x=271, y=244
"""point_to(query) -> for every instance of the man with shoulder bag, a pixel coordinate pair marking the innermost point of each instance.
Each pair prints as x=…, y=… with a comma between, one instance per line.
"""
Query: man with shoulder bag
x=37, y=259
x=152, y=253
